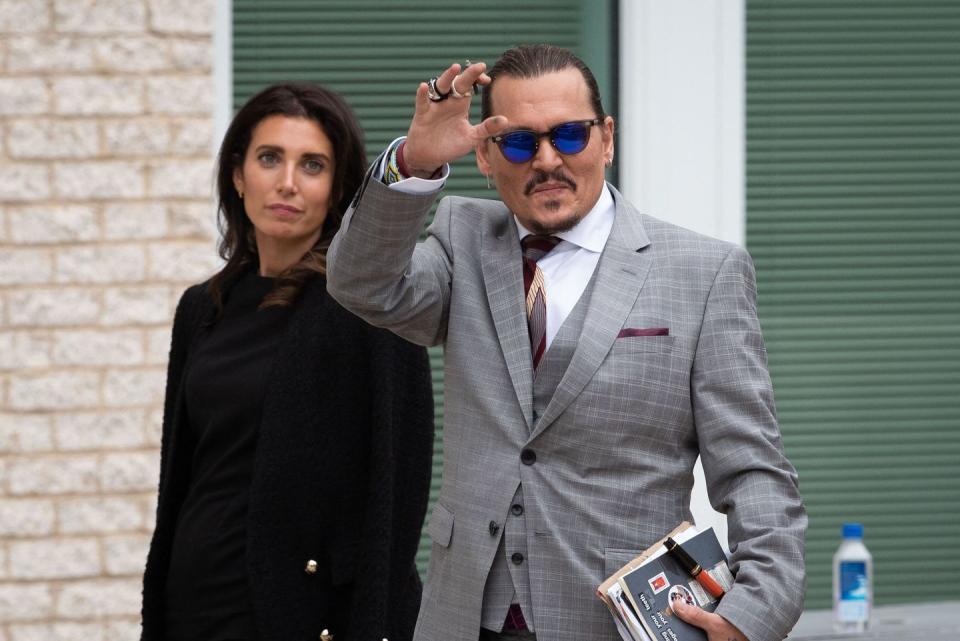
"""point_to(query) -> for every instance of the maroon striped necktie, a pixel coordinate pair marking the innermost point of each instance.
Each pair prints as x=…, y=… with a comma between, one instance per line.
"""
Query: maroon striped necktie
x=535, y=248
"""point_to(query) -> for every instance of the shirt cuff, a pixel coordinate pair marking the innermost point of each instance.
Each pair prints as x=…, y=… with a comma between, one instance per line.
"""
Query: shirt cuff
x=411, y=185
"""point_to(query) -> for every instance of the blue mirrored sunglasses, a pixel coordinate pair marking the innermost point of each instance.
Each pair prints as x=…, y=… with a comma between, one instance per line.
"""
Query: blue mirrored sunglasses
x=567, y=138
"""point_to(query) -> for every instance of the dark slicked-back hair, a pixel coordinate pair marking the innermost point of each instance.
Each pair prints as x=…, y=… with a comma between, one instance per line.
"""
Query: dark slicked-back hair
x=237, y=245
x=533, y=61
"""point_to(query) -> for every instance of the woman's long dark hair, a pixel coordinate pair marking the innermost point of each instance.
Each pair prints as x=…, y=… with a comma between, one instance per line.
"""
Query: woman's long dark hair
x=237, y=240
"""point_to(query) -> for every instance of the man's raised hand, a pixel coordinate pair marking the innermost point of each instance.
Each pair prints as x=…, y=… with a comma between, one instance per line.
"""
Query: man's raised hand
x=441, y=131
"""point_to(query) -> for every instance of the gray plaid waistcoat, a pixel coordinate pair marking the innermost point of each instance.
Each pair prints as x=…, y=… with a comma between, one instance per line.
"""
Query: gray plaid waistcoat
x=508, y=579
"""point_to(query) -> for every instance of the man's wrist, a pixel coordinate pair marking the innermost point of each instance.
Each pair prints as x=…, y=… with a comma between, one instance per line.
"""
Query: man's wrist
x=389, y=173
x=408, y=172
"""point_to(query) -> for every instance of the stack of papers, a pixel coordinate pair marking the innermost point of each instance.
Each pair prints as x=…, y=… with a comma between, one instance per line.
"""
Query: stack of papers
x=639, y=594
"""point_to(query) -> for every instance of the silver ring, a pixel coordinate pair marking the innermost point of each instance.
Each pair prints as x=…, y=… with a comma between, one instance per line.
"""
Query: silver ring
x=433, y=93
x=453, y=89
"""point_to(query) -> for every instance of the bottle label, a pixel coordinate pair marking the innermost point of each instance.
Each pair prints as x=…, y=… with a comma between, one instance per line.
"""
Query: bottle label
x=854, y=591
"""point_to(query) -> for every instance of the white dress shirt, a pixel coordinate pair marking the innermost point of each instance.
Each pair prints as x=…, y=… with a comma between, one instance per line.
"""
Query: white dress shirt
x=567, y=269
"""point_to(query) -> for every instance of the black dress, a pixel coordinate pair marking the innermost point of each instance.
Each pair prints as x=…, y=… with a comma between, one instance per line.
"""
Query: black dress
x=207, y=598
x=290, y=436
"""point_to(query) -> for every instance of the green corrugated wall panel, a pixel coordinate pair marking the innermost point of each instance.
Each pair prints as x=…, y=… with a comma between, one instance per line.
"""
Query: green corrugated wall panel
x=853, y=220
x=375, y=52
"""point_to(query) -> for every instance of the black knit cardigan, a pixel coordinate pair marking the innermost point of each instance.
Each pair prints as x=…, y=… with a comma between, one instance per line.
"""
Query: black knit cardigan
x=341, y=476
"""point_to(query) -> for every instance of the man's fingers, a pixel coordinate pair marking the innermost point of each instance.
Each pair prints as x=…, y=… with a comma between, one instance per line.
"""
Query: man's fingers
x=445, y=80
x=422, y=100
x=490, y=127
x=692, y=615
x=472, y=74
x=462, y=79
x=713, y=624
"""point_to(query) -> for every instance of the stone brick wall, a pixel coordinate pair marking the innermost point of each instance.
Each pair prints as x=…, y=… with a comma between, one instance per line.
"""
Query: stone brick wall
x=106, y=176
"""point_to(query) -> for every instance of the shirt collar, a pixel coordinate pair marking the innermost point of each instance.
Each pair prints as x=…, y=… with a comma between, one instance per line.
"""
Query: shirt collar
x=592, y=231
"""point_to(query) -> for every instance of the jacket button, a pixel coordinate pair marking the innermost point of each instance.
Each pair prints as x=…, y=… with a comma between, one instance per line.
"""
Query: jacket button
x=325, y=635
x=311, y=567
x=517, y=558
x=516, y=509
x=494, y=528
x=528, y=456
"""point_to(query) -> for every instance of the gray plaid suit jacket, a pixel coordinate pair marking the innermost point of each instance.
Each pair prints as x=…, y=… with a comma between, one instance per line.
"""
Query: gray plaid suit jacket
x=616, y=445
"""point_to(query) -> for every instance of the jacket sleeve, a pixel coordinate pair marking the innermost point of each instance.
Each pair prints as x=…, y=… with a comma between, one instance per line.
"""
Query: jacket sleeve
x=185, y=323
x=748, y=476
x=401, y=448
x=378, y=270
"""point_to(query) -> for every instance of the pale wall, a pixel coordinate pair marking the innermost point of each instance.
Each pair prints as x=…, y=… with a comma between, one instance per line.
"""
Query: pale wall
x=681, y=128
x=106, y=174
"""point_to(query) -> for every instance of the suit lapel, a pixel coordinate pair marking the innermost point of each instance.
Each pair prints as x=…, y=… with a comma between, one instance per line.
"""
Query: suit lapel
x=503, y=280
x=621, y=272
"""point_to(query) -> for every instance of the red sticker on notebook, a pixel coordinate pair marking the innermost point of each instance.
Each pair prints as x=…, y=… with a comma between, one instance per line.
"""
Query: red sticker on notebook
x=659, y=583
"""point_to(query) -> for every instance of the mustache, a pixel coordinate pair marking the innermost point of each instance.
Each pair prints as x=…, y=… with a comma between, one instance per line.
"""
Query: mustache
x=542, y=177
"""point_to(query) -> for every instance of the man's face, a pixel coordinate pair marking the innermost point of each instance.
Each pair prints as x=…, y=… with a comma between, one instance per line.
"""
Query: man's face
x=551, y=192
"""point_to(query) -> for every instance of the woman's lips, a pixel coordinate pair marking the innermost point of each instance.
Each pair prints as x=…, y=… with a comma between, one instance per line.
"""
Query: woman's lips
x=284, y=211
x=287, y=208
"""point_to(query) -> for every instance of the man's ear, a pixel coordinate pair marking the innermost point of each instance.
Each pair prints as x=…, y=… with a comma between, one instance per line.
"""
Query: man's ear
x=483, y=161
x=608, y=127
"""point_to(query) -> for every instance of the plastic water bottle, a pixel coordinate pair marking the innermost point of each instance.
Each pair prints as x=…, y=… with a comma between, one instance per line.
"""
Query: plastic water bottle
x=852, y=582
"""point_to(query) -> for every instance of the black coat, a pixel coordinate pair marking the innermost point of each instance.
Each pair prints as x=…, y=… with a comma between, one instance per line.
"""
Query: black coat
x=341, y=476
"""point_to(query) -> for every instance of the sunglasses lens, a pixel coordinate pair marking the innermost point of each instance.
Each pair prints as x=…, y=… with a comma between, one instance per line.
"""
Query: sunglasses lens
x=570, y=137
x=519, y=146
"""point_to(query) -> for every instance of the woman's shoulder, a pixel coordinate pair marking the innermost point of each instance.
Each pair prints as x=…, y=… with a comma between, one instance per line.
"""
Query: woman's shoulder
x=195, y=296
x=195, y=302
x=195, y=292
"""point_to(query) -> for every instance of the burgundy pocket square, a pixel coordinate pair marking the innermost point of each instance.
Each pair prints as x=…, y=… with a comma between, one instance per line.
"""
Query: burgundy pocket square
x=643, y=331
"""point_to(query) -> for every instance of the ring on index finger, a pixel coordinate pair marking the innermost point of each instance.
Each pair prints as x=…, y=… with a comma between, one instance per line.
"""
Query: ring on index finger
x=433, y=93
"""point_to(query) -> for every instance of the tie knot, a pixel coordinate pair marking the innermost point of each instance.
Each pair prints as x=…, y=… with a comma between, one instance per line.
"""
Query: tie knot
x=536, y=247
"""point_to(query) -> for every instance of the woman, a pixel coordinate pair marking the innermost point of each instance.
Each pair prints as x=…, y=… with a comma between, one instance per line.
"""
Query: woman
x=295, y=461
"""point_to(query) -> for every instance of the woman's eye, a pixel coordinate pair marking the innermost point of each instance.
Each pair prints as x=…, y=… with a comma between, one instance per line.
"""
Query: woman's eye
x=313, y=166
x=267, y=159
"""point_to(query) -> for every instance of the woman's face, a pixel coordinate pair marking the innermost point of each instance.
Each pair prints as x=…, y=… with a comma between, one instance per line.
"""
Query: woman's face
x=286, y=181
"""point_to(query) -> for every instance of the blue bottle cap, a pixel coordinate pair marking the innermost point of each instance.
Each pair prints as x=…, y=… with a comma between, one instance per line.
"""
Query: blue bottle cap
x=853, y=530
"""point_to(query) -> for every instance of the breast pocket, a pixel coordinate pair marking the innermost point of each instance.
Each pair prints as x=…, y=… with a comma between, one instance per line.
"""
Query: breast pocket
x=643, y=344
x=638, y=357
x=647, y=378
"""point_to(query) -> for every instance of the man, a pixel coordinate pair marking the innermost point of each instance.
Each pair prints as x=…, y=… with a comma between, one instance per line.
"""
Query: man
x=569, y=444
